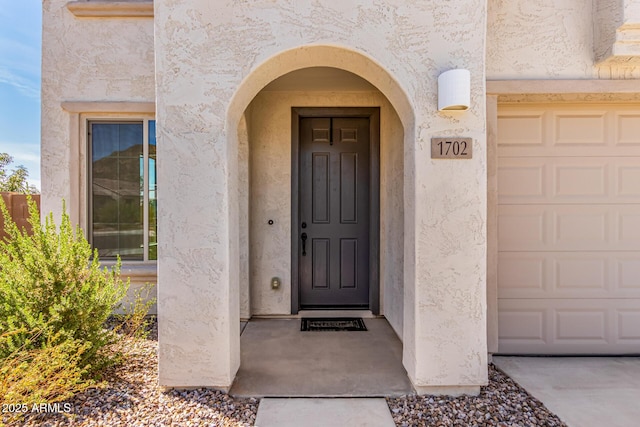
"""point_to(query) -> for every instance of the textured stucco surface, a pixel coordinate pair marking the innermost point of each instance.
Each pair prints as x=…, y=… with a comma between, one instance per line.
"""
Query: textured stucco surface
x=492, y=223
x=212, y=61
x=243, y=218
x=392, y=218
x=557, y=39
x=616, y=30
x=97, y=61
x=547, y=38
x=85, y=60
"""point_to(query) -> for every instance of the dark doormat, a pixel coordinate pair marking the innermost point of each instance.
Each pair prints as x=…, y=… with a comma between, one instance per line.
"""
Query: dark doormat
x=332, y=324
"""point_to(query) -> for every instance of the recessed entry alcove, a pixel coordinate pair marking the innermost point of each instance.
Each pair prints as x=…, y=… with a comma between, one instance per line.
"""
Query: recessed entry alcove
x=269, y=168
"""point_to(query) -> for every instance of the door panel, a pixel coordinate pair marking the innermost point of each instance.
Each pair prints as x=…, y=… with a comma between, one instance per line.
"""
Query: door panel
x=320, y=202
x=334, y=185
x=348, y=263
x=320, y=263
x=348, y=188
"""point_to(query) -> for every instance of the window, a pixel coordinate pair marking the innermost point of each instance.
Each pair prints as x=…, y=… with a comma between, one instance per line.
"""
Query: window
x=123, y=189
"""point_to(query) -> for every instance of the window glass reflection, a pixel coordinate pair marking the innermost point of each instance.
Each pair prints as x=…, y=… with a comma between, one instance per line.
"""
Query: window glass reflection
x=117, y=190
x=153, y=190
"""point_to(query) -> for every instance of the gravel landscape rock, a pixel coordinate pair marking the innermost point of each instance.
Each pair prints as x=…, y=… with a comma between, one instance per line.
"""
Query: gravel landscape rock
x=133, y=398
x=501, y=403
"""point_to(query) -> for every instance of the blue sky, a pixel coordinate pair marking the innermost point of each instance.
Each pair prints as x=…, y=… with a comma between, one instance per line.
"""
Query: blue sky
x=20, y=46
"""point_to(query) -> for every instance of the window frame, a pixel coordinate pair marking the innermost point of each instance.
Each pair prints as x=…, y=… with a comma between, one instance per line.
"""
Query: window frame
x=115, y=118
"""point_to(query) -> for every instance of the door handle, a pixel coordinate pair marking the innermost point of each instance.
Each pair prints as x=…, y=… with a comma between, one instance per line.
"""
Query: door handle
x=304, y=243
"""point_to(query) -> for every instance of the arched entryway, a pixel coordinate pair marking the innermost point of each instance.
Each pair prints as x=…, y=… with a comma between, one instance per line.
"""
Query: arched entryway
x=335, y=80
x=318, y=77
x=210, y=80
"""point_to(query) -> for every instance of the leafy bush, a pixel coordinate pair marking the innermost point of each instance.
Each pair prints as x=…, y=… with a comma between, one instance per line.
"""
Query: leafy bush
x=134, y=322
x=53, y=292
x=49, y=374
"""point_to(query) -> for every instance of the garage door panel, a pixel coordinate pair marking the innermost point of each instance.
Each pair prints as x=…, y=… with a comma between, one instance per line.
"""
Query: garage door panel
x=580, y=273
x=627, y=129
x=594, y=227
x=569, y=229
x=531, y=228
x=522, y=181
x=569, y=326
x=628, y=226
x=568, y=151
x=580, y=129
x=580, y=227
x=585, y=326
x=628, y=322
x=626, y=179
x=569, y=180
x=522, y=228
x=522, y=129
x=628, y=273
x=523, y=274
x=523, y=325
x=580, y=179
x=593, y=275
x=600, y=131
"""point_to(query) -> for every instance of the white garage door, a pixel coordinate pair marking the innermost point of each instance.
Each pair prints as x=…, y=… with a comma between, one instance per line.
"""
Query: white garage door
x=569, y=229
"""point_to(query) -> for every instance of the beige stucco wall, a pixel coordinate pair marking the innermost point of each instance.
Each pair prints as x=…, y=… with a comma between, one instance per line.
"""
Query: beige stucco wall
x=558, y=39
x=212, y=62
x=492, y=223
x=616, y=32
x=97, y=62
x=244, y=214
x=270, y=197
x=106, y=59
x=392, y=217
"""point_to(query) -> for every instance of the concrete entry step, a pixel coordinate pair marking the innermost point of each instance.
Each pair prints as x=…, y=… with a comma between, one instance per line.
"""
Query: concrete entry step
x=304, y=412
x=278, y=360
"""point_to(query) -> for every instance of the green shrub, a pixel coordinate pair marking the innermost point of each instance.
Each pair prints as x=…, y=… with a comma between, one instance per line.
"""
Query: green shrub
x=49, y=374
x=45, y=375
x=52, y=291
x=134, y=322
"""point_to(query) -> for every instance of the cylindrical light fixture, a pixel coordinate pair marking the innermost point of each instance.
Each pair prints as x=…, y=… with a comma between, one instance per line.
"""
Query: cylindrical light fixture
x=454, y=90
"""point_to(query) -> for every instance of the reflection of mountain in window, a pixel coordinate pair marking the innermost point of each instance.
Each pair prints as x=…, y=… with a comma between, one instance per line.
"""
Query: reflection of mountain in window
x=122, y=208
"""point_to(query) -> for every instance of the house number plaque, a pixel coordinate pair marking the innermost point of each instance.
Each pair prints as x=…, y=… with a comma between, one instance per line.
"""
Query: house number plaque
x=451, y=148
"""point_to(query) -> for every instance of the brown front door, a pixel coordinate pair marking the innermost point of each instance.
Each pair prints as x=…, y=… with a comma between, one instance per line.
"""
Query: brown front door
x=334, y=212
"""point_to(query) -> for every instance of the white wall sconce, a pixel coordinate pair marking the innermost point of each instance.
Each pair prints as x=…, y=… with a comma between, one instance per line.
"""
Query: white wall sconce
x=454, y=90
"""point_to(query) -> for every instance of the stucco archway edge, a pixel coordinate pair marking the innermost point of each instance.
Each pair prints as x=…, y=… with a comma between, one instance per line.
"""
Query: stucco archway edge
x=320, y=56
x=364, y=66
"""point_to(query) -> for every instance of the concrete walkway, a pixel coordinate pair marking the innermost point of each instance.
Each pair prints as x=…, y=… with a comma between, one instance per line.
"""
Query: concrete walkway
x=288, y=367
x=582, y=391
x=278, y=360
x=300, y=412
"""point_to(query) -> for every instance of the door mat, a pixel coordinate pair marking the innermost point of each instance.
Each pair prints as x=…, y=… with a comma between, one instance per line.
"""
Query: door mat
x=332, y=324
